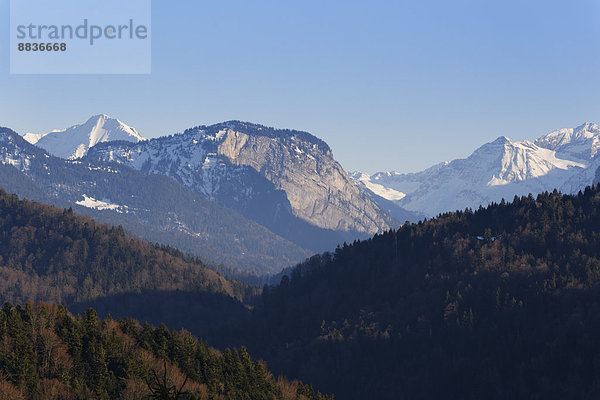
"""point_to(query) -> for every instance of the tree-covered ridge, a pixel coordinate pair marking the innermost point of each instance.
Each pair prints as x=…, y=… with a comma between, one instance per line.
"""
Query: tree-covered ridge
x=261, y=130
x=53, y=255
x=499, y=303
x=46, y=353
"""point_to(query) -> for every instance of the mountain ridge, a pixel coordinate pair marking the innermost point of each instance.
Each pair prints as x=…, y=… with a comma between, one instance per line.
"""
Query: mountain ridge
x=318, y=189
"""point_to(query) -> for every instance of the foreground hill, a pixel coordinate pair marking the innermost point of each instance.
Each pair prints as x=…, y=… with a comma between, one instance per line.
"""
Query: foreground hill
x=46, y=353
x=499, y=303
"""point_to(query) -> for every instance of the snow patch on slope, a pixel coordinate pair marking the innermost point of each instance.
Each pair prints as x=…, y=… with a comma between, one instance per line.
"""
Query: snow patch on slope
x=379, y=190
x=581, y=143
x=33, y=138
x=90, y=202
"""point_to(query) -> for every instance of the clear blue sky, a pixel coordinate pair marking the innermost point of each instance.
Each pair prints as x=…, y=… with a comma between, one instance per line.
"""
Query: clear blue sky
x=388, y=84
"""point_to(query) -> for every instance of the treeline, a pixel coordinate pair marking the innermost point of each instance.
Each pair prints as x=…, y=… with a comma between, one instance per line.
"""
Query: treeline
x=46, y=353
x=499, y=303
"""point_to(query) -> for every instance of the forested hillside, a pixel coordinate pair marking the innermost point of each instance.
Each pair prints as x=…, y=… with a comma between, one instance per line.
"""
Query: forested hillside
x=46, y=353
x=499, y=303
x=53, y=255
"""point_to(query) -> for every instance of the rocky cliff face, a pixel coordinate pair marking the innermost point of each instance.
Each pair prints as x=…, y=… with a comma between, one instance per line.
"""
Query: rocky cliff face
x=317, y=187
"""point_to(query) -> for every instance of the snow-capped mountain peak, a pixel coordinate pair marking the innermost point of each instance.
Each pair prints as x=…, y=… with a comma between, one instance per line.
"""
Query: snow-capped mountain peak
x=74, y=142
x=561, y=137
x=502, y=140
x=581, y=143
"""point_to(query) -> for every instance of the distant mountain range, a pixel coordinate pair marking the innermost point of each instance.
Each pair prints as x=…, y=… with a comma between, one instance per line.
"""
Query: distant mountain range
x=564, y=159
x=259, y=199
x=240, y=195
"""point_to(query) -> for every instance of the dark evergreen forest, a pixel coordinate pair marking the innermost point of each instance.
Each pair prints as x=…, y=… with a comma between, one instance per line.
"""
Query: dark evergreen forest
x=500, y=303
